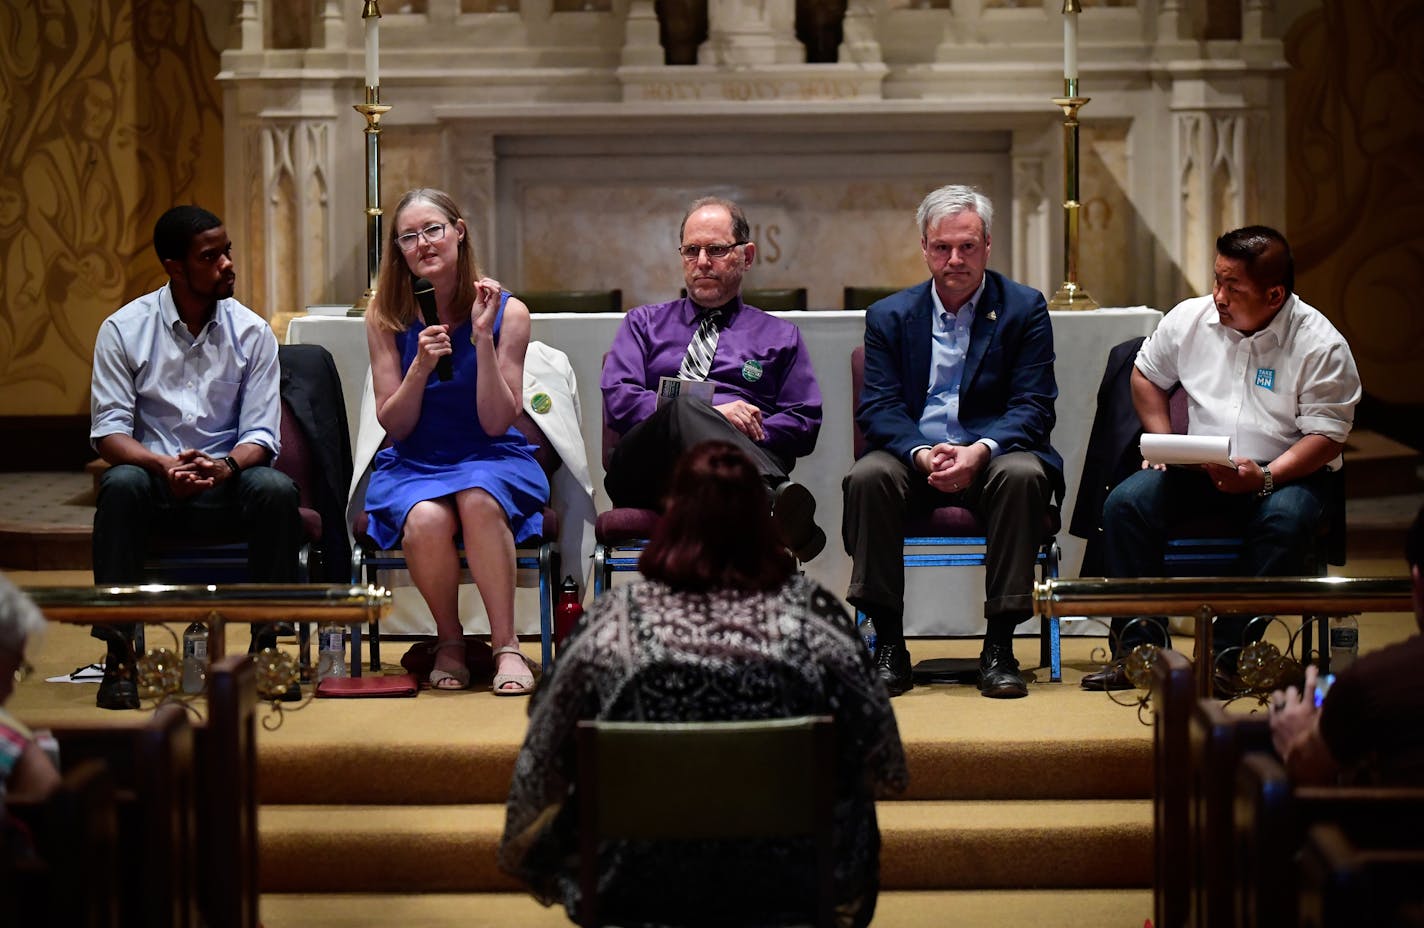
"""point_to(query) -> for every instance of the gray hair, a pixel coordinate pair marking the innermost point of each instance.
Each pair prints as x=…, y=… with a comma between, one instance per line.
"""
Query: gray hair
x=19, y=617
x=950, y=200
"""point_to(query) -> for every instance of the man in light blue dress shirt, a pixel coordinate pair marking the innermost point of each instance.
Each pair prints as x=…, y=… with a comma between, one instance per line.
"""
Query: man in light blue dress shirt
x=958, y=406
x=185, y=407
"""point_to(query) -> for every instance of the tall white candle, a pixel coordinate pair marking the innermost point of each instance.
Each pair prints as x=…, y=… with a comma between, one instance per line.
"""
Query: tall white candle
x=373, y=51
x=1070, y=46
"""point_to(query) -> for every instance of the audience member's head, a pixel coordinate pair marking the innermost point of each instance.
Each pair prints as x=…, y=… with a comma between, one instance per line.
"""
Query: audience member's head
x=20, y=619
x=716, y=532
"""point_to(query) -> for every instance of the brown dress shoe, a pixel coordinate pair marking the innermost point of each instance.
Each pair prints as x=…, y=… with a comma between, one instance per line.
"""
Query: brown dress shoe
x=1113, y=678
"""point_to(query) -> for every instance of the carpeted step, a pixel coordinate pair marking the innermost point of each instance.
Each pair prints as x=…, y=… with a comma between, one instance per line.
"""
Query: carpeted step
x=925, y=845
x=1088, y=908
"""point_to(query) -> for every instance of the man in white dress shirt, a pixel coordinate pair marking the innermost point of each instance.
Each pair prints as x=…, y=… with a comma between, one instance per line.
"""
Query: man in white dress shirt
x=185, y=407
x=1258, y=365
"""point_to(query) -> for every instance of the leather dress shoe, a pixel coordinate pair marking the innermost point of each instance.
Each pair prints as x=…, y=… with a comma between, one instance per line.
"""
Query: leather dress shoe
x=1113, y=678
x=117, y=689
x=892, y=666
x=793, y=509
x=999, y=676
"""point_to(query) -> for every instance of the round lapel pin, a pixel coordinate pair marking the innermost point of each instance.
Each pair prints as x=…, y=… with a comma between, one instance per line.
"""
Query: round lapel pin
x=751, y=371
x=541, y=403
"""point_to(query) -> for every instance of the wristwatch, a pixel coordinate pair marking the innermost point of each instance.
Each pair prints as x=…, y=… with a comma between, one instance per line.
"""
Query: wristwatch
x=233, y=466
x=1269, y=485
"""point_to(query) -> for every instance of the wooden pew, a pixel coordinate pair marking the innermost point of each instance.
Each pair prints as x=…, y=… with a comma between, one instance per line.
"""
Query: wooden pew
x=152, y=769
x=1172, y=699
x=1345, y=884
x=70, y=880
x=227, y=806
x=1271, y=820
x=1219, y=739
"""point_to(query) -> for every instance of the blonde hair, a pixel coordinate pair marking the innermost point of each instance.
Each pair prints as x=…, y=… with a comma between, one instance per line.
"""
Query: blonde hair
x=394, y=307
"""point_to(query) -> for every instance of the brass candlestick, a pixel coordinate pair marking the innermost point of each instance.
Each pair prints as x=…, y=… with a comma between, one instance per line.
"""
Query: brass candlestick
x=1071, y=294
x=373, y=110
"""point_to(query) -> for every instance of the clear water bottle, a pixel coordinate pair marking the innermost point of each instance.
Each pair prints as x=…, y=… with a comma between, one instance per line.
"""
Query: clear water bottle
x=331, y=651
x=195, y=657
x=1344, y=642
x=867, y=634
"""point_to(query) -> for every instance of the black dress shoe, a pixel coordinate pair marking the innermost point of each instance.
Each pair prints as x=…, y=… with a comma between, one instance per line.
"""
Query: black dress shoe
x=999, y=676
x=892, y=666
x=1113, y=678
x=793, y=509
x=117, y=689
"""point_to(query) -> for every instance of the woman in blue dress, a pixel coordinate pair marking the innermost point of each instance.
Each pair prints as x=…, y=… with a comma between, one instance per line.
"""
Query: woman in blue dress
x=447, y=395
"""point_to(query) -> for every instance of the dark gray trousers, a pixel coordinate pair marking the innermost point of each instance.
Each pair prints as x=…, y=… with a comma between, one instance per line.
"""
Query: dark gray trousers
x=1010, y=496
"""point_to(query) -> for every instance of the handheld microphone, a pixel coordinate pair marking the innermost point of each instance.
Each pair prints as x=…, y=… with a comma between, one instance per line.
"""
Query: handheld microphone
x=425, y=296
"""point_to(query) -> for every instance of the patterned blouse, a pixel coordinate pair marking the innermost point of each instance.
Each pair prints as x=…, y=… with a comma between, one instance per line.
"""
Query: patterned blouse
x=646, y=652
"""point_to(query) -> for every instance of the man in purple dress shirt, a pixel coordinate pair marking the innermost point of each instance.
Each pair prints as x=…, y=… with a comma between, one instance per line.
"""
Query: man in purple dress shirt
x=765, y=401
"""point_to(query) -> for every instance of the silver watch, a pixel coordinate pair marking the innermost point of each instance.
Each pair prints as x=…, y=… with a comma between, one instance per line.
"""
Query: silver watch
x=1269, y=486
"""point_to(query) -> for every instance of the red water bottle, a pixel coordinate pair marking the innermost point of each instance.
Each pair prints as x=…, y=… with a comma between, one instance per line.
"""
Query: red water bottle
x=568, y=610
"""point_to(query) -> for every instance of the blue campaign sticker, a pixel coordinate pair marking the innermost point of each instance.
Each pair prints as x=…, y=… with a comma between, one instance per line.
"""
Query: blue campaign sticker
x=1266, y=377
x=751, y=371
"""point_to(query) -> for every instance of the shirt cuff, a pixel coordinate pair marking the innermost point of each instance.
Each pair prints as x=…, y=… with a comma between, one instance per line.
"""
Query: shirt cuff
x=993, y=447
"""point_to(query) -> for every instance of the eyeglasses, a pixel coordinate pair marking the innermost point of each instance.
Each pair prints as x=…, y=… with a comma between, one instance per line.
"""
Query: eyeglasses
x=690, y=252
x=431, y=233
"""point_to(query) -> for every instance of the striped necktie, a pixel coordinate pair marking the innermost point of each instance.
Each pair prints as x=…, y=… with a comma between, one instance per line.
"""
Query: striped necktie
x=698, y=361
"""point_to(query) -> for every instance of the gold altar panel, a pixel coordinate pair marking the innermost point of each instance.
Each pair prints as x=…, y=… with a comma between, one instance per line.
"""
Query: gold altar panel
x=821, y=235
x=1355, y=181
x=109, y=114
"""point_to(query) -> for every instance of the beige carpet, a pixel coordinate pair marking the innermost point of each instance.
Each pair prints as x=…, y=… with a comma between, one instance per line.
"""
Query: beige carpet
x=1032, y=811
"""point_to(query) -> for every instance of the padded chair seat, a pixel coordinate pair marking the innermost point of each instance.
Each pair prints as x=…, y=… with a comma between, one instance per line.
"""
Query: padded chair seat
x=958, y=521
x=620, y=526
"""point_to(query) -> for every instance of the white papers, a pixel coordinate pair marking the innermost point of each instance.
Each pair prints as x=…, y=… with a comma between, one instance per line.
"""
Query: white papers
x=673, y=387
x=1186, y=449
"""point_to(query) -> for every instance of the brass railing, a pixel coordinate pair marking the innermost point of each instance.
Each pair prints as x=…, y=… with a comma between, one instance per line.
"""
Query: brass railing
x=215, y=605
x=1207, y=597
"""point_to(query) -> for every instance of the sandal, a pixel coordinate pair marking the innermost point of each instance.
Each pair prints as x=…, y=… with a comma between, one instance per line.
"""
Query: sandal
x=457, y=679
x=524, y=683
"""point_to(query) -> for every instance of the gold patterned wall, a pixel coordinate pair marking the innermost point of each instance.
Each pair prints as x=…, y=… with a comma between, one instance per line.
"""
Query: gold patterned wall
x=109, y=114
x=1355, y=169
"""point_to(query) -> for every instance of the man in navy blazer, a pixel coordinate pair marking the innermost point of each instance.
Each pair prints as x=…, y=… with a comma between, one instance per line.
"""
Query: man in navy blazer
x=958, y=405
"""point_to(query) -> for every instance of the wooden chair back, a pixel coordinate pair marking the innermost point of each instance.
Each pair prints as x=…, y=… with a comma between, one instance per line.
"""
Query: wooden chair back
x=155, y=794
x=1173, y=696
x=1218, y=740
x=227, y=809
x=1345, y=883
x=661, y=781
x=70, y=880
x=862, y=297
x=1271, y=820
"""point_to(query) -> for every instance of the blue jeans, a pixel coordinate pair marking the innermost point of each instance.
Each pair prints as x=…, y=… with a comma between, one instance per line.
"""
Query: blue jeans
x=1278, y=534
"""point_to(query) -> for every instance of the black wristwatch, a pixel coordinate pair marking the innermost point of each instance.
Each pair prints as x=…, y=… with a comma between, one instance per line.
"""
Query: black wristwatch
x=1269, y=485
x=232, y=465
